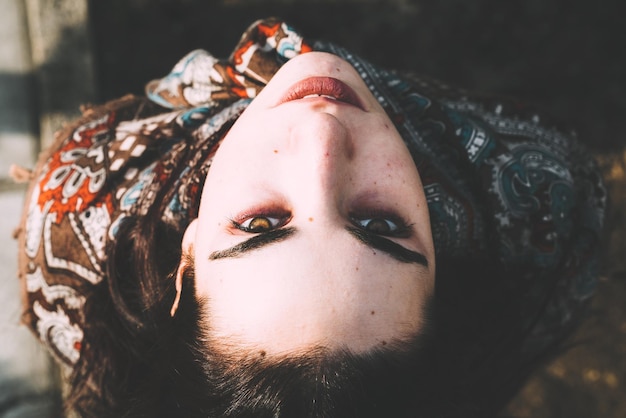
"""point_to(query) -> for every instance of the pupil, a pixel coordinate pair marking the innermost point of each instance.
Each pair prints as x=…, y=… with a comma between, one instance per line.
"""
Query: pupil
x=378, y=226
x=260, y=224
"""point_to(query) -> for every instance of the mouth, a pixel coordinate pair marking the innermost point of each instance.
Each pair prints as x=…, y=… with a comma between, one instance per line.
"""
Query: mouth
x=322, y=87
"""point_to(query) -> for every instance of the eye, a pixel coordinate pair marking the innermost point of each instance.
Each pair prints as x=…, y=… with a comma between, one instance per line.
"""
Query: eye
x=383, y=225
x=259, y=224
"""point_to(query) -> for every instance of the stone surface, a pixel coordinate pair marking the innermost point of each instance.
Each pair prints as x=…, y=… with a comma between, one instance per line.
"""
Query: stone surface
x=63, y=60
x=18, y=119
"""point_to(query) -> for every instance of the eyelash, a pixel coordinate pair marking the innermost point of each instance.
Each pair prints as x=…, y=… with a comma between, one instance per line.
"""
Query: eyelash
x=274, y=223
x=278, y=220
x=403, y=227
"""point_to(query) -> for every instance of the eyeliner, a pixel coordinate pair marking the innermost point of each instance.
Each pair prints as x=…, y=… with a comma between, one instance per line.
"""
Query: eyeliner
x=395, y=250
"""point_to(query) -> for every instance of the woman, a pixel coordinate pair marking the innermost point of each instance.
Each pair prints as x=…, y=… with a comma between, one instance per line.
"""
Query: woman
x=351, y=242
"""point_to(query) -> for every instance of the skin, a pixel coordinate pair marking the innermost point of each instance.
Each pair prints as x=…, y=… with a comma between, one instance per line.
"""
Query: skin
x=319, y=171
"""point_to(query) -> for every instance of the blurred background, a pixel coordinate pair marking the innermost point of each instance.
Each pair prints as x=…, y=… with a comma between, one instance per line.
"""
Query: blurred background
x=567, y=56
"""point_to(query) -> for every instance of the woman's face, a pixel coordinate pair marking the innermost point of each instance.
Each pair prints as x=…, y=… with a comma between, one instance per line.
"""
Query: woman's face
x=313, y=228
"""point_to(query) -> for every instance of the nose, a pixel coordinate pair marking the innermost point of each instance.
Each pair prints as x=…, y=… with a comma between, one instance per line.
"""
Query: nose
x=323, y=147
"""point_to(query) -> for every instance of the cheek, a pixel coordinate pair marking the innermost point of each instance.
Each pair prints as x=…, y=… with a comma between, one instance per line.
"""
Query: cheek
x=391, y=170
x=381, y=146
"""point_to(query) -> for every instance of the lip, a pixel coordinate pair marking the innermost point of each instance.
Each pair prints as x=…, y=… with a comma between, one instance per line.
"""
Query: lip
x=322, y=86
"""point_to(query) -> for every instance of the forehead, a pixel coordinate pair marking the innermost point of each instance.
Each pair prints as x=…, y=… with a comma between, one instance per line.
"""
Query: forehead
x=294, y=295
x=239, y=350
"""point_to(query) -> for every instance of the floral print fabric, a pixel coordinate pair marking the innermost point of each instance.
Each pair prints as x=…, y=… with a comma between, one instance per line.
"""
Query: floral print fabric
x=500, y=182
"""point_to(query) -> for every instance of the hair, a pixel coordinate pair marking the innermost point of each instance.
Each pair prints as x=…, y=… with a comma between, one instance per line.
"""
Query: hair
x=137, y=360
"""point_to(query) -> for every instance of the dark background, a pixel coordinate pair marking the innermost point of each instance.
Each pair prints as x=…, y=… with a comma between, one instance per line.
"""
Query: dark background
x=568, y=57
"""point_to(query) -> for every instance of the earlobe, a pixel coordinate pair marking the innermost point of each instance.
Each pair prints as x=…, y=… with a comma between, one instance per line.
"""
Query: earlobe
x=187, y=248
x=179, y=288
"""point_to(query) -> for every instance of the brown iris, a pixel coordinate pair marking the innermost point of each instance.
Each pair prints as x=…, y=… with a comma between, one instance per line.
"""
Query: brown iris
x=259, y=224
x=378, y=226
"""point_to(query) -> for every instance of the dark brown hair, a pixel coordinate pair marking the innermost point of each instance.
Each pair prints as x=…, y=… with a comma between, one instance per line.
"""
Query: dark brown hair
x=138, y=361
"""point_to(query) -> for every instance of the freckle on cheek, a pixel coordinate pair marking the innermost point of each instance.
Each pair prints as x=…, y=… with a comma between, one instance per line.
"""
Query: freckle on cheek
x=373, y=312
x=275, y=151
x=311, y=219
x=383, y=342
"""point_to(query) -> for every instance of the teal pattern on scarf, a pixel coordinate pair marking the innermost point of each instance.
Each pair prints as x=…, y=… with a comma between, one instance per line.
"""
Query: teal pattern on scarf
x=502, y=182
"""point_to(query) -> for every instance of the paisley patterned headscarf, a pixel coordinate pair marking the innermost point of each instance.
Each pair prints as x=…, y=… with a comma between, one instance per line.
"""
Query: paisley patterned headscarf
x=500, y=181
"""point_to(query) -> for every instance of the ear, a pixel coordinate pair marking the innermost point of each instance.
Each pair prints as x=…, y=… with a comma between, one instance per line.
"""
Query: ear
x=187, y=248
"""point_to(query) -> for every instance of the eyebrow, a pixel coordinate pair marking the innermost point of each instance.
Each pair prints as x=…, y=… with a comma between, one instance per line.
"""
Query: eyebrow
x=378, y=242
x=254, y=243
x=394, y=249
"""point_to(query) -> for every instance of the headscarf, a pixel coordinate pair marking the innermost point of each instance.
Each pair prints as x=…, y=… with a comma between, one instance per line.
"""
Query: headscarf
x=500, y=182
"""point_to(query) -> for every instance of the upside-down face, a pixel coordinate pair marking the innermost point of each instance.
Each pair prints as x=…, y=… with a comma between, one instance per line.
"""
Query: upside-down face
x=313, y=229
